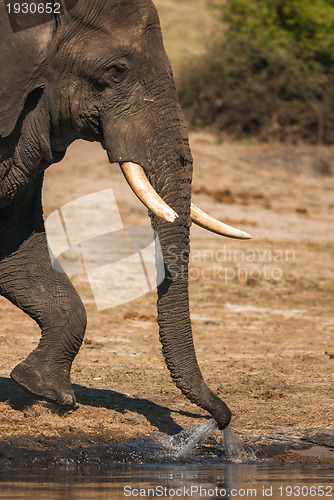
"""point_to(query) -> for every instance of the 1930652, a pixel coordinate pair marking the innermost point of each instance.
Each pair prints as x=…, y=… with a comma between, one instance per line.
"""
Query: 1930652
x=306, y=491
x=33, y=8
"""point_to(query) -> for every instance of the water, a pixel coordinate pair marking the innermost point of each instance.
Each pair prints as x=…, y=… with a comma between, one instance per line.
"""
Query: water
x=229, y=472
x=234, y=449
x=187, y=440
x=172, y=481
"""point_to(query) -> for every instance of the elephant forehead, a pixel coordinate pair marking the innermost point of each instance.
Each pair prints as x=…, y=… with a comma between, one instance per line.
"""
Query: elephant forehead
x=101, y=49
x=108, y=15
x=104, y=32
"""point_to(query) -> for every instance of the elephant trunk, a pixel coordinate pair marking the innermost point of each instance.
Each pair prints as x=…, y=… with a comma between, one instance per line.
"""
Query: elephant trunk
x=174, y=186
x=161, y=148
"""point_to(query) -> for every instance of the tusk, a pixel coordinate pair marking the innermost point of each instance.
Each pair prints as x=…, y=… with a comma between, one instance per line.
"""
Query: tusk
x=207, y=222
x=142, y=188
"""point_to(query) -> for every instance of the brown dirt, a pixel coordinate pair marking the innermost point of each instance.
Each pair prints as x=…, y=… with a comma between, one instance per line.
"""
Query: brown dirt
x=264, y=337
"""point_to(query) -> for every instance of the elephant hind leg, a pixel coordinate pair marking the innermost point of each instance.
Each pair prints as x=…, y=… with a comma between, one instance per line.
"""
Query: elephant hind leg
x=29, y=281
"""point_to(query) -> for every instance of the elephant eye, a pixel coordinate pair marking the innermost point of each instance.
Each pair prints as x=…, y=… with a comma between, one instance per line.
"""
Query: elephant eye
x=117, y=73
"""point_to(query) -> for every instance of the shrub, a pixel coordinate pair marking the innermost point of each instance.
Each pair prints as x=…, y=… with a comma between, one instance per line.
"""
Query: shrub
x=301, y=27
x=271, y=74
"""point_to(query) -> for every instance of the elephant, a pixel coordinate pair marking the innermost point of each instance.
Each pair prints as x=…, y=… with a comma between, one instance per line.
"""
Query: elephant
x=98, y=72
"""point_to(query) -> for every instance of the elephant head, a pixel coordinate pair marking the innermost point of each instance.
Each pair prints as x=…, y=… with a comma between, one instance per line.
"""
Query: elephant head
x=99, y=72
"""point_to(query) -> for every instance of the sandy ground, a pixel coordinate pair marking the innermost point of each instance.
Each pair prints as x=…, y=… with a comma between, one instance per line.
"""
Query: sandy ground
x=262, y=310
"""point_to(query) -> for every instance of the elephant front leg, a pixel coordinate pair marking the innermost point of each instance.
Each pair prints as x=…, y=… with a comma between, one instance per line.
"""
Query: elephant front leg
x=29, y=281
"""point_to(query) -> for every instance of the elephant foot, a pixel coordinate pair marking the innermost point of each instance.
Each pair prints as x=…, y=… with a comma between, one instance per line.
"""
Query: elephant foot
x=45, y=381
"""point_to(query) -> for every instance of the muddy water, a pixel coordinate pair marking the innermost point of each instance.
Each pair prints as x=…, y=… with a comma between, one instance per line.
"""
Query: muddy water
x=165, y=467
x=172, y=481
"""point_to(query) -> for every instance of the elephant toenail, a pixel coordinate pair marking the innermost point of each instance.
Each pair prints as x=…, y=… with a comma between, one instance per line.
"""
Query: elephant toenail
x=68, y=400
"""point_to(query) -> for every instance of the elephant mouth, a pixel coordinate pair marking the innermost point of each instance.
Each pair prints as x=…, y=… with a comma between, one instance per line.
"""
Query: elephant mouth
x=144, y=190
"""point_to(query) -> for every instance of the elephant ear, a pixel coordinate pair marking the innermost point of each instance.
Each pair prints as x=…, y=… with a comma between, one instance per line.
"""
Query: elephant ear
x=22, y=68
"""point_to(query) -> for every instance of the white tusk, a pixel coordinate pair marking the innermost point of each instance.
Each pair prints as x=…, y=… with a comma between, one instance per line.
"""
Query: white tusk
x=143, y=189
x=208, y=222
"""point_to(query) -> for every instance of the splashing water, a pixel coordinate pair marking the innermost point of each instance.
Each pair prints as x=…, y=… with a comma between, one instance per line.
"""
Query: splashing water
x=183, y=443
x=187, y=440
x=234, y=449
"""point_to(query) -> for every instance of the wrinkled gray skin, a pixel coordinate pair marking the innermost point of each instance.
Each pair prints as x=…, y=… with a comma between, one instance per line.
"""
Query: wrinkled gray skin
x=98, y=73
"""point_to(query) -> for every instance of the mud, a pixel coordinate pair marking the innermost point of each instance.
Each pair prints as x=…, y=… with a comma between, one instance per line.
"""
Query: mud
x=92, y=452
